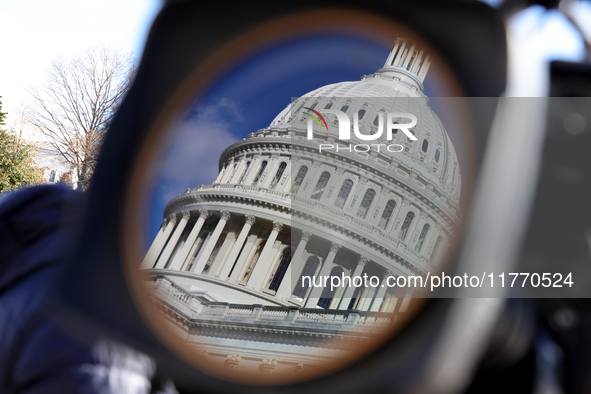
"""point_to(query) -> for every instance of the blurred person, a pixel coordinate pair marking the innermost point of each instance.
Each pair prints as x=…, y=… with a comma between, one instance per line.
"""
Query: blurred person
x=37, y=354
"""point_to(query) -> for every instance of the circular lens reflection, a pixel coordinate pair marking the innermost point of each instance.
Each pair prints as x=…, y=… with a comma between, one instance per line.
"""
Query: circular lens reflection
x=291, y=203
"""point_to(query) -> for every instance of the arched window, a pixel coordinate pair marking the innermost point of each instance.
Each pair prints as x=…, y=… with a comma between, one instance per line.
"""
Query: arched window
x=366, y=203
x=278, y=175
x=357, y=294
x=437, y=243
x=327, y=294
x=281, y=269
x=422, y=237
x=314, y=105
x=299, y=179
x=214, y=253
x=343, y=193
x=437, y=156
x=309, y=271
x=253, y=261
x=328, y=106
x=361, y=114
x=320, y=185
x=245, y=172
x=406, y=225
x=387, y=214
x=376, y=121
x=413, y=133
x=425, y=145
x=261, y=170
x=344, y=108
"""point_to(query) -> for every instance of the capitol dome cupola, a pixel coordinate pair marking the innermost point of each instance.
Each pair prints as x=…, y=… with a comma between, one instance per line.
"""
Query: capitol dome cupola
x=395, y=88
x=407, y=61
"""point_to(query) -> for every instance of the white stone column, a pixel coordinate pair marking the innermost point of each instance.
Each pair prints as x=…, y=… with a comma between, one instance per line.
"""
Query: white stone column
x=274, y=257
x=390, y=304
x=379, y=298
x=255, y=166
x=325, y=271
x=174, y=238
x=227, y=266
x=168, y=246
x=411, y=230
x=197, y=251
x=157, y=245
x=181, y=256
x=269, y=172
x=399, y=57
x=229, y=171
x=208, y=248
x=239, y=170
x=225, y=249
x=338, y=294
x=257, y=277
x=295, y=268
x=244, y=257
x=367, y=298
x=351, y=289
x=313, y=175
x=405, y=302
x=333, y=187
x=220, y=175
x=417, y=62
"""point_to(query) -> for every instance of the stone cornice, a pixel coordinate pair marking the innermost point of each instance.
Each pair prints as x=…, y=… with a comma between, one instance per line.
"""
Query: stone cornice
x=291, y=145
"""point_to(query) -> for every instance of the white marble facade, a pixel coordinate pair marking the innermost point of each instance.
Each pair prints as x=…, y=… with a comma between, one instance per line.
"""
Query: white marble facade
x=280, y=208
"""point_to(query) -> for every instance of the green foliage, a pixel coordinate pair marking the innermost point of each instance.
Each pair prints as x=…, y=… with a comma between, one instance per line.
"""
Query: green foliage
x=17, y=168
x=2, y=115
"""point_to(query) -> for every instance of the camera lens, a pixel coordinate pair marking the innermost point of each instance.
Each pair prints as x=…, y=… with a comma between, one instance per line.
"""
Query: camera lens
x=295, y=195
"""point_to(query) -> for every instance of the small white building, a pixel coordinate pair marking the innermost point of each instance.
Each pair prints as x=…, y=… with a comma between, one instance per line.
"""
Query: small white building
x=53, y=163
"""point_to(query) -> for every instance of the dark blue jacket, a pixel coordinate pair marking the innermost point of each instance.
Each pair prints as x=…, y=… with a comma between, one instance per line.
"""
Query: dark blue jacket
x=37, y=354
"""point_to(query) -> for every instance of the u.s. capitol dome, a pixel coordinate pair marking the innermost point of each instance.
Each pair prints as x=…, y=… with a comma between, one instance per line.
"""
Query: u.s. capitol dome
x=281, y=209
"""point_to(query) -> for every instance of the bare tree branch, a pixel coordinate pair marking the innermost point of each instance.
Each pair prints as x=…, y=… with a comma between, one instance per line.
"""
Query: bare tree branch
x=75, y=105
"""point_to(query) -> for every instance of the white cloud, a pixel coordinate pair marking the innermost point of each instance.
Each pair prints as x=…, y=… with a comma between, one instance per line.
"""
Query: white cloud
x=192, y=157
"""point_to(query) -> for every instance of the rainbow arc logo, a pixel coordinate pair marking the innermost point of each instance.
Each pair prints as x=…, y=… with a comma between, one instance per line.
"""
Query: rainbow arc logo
x=316, y=119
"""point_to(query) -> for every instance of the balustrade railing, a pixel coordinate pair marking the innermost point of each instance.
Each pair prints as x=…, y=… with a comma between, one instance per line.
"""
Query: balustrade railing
x=237, y=311
x=375, y=321
x=274, y=314
x=322, y=317
x=165, y=288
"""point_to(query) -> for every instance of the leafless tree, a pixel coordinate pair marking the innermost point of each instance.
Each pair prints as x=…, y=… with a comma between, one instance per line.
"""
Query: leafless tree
x=76, y=103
